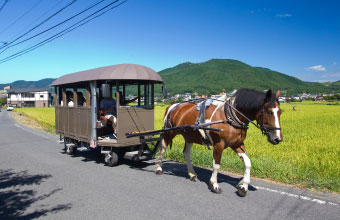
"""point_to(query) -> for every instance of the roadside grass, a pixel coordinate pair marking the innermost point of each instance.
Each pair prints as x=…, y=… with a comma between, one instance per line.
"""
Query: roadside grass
x=309, y=155
x=43, y=116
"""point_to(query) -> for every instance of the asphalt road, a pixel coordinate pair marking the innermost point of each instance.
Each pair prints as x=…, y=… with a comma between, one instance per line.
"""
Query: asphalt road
x=37, y=180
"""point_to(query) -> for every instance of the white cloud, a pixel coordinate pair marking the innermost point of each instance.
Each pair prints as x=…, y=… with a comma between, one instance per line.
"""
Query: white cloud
x=334, y=63
x=284, y=15
x=317, y=68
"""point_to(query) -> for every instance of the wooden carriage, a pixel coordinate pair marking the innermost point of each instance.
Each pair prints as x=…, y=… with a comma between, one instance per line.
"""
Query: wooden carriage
x=80, y=125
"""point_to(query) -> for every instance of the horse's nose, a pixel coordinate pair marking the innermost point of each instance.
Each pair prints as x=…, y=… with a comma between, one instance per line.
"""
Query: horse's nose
x=278, y=140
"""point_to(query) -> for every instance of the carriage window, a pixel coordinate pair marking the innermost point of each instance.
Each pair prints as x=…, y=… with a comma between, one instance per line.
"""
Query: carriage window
x=59, y=91
x=128, y=95
x=69, y=97
x=147, y=94
x=81, y=96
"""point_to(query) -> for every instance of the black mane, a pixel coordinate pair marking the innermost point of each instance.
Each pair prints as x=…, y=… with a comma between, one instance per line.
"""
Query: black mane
x=249, y=100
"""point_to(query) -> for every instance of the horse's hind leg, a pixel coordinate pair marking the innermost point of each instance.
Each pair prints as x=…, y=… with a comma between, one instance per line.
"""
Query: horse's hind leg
x=191, y=172
x=242, y=186
x=159, y=159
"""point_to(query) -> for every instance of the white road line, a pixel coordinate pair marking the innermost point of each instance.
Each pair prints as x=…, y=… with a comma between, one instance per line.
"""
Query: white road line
x=25, y=129
x=318, y=201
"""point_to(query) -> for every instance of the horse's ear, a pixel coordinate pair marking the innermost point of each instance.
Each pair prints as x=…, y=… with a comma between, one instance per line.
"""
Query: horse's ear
x=268, y=96
x=278, y=94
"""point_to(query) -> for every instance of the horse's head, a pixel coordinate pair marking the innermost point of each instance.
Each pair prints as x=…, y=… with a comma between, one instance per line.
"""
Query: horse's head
x=269, y=117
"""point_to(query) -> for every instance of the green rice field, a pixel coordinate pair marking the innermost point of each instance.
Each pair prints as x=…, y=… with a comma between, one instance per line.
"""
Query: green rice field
x=309, y=155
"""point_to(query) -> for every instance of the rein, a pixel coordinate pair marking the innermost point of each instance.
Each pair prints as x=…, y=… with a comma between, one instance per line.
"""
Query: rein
x=264, y=128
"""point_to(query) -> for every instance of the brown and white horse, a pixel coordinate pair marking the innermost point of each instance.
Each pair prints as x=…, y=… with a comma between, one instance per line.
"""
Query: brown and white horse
x=254, y=105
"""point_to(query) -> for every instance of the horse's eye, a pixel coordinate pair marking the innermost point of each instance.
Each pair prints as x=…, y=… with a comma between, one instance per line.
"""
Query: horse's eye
x=270, y=112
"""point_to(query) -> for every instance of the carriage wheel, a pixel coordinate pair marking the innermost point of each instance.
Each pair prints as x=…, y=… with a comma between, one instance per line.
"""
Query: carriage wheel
x=68, y=147
x=111, y=159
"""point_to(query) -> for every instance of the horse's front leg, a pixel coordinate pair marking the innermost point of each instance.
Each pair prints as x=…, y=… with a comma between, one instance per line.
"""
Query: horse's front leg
x=191, y=172
x=242, y=186
x=217, y=154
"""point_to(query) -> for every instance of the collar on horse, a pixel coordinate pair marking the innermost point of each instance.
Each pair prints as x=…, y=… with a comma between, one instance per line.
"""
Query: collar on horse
x=231, y=116
x=233, y=120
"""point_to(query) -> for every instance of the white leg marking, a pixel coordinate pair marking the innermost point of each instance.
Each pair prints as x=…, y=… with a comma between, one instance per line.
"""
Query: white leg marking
x=277, y=124
x=213, y=179
x=247, y=166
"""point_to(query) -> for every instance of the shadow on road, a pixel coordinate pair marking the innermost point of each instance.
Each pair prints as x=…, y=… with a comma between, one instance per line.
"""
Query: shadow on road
x=180, y=170
x=169, y=167
x=93, y=155
x=15, y=201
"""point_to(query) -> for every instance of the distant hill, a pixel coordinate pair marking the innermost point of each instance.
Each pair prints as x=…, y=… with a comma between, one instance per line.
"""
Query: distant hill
x=214, y=75
x=43, y=83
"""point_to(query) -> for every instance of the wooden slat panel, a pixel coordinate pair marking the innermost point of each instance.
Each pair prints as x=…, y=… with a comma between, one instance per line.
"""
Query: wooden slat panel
x=133, y=119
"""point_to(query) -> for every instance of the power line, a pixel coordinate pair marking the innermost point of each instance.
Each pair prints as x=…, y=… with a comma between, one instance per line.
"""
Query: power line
x=60, y=34
x=23, y=15
x=44, y=21
x=3, y=5
x=7, y=46
x=41, y=16
x=65, y=31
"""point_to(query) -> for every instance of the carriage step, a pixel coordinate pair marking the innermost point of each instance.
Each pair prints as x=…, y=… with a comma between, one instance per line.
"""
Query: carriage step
x=133, y=155
x=83, y=149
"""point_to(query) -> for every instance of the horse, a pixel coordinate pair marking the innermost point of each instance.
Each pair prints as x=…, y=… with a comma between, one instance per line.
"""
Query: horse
x=244, y=106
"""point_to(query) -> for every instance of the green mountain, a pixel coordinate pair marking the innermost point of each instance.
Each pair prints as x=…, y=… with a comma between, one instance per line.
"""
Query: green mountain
x=43, y=83
x=214, y=75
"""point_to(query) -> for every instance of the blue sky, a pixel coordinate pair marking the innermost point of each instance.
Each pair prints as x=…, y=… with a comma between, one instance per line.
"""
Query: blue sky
x=298, y=38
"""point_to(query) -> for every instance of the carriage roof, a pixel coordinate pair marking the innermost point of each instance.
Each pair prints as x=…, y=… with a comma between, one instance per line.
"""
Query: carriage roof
x=126, y=72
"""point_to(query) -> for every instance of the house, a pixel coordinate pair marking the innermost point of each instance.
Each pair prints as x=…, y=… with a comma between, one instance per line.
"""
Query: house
x=30, y=97
x=3, y=93
x=319, y=98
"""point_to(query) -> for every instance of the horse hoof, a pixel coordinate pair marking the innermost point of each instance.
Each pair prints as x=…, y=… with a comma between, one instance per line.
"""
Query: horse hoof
x=194, y=178
x=159, y=172
x=242, y=191
x=216, y=190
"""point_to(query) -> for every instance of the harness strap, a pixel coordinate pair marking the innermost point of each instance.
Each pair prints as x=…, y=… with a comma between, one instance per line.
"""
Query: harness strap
x=232, y=118
x=201, y=120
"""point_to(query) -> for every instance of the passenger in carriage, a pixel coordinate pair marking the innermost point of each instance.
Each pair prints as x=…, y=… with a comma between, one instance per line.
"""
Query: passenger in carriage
x=69, y=99
x=107, y=109
x=81, y=99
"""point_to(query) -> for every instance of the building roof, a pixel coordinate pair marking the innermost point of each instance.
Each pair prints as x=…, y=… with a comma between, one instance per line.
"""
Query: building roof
x=24, y=90
x=115, y=72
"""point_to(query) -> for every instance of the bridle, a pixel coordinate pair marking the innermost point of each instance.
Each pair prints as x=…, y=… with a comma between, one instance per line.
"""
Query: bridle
x=264, y=128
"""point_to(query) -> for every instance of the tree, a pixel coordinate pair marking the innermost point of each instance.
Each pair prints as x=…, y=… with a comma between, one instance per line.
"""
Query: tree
x=3, y=101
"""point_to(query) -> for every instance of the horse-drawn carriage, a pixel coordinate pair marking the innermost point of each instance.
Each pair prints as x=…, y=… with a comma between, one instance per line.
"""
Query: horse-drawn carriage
x=222, y=125
x=77, y=110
